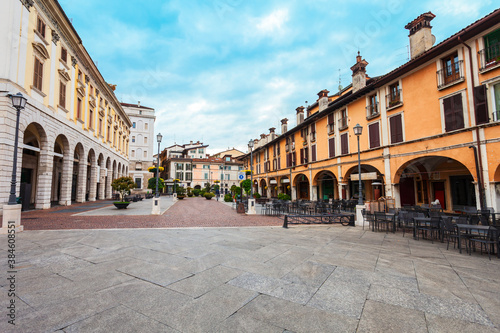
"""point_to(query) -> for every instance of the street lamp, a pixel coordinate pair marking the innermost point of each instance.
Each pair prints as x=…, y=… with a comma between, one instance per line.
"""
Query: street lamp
x=250, y=145
x=357, y=131
x=158, y=139
x=18, y=102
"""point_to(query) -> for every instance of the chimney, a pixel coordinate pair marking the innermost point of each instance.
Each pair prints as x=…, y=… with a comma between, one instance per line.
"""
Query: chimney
x=139, y=104
x=359, y=74
x=272, y=135
x=300, y=114
x=323, y=99
x=284, y=126
x=421, y=38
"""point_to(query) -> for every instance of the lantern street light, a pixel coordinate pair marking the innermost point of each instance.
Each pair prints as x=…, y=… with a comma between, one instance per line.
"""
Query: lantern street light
x=18, y=102
x=357, y=131
x=158, y=139
x=250, y=145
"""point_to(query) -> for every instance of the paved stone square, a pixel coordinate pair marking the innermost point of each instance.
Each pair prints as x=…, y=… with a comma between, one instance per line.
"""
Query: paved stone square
x=247, y=279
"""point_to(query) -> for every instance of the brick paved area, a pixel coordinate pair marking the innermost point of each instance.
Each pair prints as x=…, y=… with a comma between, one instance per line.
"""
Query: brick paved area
x=190, y=212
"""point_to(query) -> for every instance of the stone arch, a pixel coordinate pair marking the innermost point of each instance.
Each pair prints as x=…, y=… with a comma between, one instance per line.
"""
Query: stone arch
x=91, y=175
x=284, y=185
x=78, y=184
x=273, y=187
x=424, y=179
x=119, y=170
x=108, y=178
x=34, y=169
x=61, y=171
x=302, y=187
x=371, y=177
x=101, y=177
x=263, y=189
x=115, y=170
x=326, y=185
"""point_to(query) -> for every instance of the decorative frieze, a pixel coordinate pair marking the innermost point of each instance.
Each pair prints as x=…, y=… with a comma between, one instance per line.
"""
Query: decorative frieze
x=55, y=37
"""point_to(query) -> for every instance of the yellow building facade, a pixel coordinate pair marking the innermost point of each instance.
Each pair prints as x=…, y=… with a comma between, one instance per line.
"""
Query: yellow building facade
x=73, y=133
x=430, y=129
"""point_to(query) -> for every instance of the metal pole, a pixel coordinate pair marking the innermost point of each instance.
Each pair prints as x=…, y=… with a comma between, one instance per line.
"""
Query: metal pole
x=251, y=173
x=158, y=171
x=12, y=196
x=360, y=189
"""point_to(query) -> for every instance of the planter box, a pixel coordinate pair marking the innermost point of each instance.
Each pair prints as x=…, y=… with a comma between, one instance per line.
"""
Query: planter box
x=121, y=205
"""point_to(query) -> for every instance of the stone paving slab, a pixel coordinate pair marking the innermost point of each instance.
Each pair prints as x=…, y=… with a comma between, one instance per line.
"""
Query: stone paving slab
x=257, y=279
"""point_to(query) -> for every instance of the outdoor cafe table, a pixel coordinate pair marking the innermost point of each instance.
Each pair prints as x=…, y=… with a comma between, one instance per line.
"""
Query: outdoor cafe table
x=464, y=229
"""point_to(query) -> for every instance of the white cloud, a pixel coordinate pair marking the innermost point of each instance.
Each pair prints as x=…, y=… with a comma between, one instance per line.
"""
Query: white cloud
x=273, y=22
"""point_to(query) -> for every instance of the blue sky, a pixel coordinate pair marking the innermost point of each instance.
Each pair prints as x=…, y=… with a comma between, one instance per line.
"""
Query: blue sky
x=225, y=71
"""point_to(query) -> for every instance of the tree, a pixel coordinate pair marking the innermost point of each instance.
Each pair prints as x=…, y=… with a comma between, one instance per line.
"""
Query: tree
x=208, y=187
x=246, y=185
x=123, y=185
x=235, y=189
x=152, y=184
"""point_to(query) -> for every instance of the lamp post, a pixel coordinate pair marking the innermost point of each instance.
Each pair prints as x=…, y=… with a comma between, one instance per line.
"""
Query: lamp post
x=357, y=131
x=158, y=139
x=18, y=102
x=250, y=145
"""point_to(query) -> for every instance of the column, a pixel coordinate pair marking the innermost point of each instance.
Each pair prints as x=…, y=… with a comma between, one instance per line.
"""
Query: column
x=93, y=182
x=108, y=183
x=82, y=180
x=66, y=180
x=44, y=180
x=102, y=185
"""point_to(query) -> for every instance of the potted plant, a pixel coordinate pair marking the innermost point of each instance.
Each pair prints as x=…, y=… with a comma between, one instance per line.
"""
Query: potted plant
x=181, y=193
x=122, y=185
x=209, y=195
x=196, y=192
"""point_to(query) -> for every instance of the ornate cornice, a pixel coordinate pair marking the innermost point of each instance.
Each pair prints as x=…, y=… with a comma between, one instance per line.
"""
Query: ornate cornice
x=28, y=4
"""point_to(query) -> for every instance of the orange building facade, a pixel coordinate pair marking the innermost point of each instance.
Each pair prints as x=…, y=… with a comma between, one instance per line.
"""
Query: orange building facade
x=431, y=129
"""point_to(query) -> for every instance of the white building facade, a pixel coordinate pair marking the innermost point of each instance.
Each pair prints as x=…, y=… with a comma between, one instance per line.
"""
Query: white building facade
x=142, y=143
x=73, y=133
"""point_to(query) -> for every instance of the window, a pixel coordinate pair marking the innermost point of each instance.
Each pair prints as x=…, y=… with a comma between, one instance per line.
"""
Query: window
x=145, y=140
x=100, y=126
x=491, y=53
x=80, y=76
x=179, y=166
x=133, y=138
x=481, y=104
x=331, y=147
x=38, y=74
x=343, y=124
x=344, y=144
x=188, y=166
x=396, y=128
x=451, y=69
x=228, y=159
x=453, y=113
x=496, y=102
x=91, y=118
x=138, y=183
x=145, y=154
x=132, y=153
x=228, y=177
x=206, y=175
x=179, y=175
x=40, y=26
x=189, y=176
x=372, y=108
x=62, y=94
x=108, y=134
x=64, y=55
x=313, y=153
x=146, y=126
x=78, y=108
x=133, y=124
x=200, y=151
x=304, y=153
x=394, y=96
x=331, y=125
x=374, y=135
x=313, y=132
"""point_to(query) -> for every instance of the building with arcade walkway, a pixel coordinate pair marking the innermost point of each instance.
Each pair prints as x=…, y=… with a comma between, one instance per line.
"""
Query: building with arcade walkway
x=431, y=129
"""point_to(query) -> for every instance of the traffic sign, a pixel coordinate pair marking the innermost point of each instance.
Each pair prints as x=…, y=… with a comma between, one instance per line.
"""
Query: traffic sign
x=241, y=176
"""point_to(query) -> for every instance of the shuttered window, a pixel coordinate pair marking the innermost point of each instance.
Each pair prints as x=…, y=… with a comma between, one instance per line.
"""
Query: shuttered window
x=396, y=125
x=313, y=153
x=302, y=159
x=331, y=147
x=453, y=113
x=344, y=144
x=331, y=126
x=62, y=94
x=38, y=75
x=481, y=104
x=374, y=133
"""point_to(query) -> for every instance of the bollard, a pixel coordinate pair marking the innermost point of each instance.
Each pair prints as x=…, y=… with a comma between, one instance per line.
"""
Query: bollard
x=285, y=222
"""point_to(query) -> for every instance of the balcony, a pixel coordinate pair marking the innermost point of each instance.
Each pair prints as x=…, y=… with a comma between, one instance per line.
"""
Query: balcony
x=343, y=124
x=490, y=57
x=496, y=116
x=372, y=111
x=450, y=75
x=394, y=99
x=331, y=128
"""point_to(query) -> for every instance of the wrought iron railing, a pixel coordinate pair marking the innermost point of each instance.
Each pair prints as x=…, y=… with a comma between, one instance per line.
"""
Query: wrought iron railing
x=450, y=74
